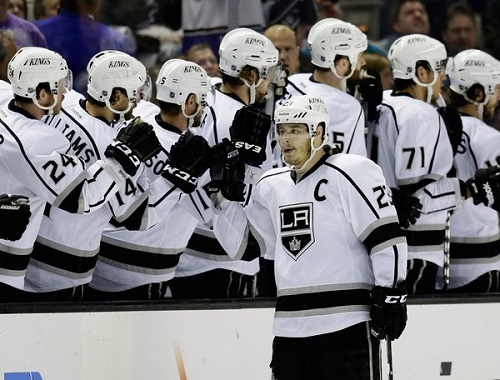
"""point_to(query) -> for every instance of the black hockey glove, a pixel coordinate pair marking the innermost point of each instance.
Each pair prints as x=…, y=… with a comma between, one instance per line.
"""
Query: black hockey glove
x=249, y=132
x=407, y=206
x=14, y=216
x=227, y=172
x=370, y=91
x=454, y=125
x=134, y=144
x=485, y=187
x=189, y=158
x=388, y=312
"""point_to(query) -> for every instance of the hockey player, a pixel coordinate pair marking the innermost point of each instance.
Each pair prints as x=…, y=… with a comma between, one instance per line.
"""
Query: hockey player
x=475, y=234
x=336, y=52
x=36, y=161
x=136, y=265
x=247, y=59
x=328, y=223
x=409, y=141
x=66, y=248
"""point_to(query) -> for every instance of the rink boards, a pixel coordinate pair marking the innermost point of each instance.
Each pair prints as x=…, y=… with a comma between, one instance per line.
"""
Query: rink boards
x=447, y=338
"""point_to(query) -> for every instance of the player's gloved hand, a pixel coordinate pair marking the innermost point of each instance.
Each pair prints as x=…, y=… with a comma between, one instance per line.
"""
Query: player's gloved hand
x=454, y=125
x=485, y=187
x=407, y=206
x=370, y=91
x=135, y=143
x=249, y=132
x=227, y=172
x=388, y=312
x=189, y=158
x=14, y=216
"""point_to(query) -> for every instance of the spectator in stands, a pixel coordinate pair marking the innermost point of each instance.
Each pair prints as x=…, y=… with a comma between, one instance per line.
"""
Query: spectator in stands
x=460, y=31
x=284, y=39
x=46, y=8
x=203, y=55
x=407, y=17
x=77, y=37
x=25, y=33
x=17, y=8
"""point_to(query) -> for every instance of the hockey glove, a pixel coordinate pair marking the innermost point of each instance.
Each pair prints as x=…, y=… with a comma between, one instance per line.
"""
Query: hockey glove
x=227, y=172
x=370, y=91
x=189, y=158
x=407, y=206
x=454, y=125
x=388, y=312
x=134, y=144
x=14, y=216
x=249, y=132
x=485, y=187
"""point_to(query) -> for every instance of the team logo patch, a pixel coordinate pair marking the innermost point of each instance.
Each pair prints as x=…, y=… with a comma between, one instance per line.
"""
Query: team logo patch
x=296, y=228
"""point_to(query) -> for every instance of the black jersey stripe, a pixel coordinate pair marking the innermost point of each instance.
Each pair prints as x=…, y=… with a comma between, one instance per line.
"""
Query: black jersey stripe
x=354, y=184
x=352, y=136
x=210, y=246
x=321, y=300
x=382, y=234
x=63, y=260
x=138, y=258
x=474, y=251
x=14, y=262
x=31, y=165
x=214, y=117
x=424, y=238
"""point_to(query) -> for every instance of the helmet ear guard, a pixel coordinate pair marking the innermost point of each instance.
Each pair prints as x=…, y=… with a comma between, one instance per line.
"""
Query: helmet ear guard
x=32, y=66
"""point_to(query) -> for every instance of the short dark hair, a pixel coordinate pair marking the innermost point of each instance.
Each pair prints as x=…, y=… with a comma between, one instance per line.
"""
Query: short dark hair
x=458, y=9
x=396, y=9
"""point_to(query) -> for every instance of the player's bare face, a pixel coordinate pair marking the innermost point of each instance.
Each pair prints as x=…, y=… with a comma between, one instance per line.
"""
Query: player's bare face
x=295, y=143
x=438, y=85
x=60, y=97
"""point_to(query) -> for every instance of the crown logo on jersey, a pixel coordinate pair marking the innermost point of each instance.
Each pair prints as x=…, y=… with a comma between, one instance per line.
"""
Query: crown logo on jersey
x=294, y=244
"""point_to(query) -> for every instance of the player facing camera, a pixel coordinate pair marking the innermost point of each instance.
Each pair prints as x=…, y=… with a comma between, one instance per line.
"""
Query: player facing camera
x=301, y=131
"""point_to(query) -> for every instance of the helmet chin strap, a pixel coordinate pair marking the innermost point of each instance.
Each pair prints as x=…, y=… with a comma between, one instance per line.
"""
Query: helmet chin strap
x=311, y=155
x=190, y=117
x=253, y=88
x=428, y=86
x=120, y=113
x=343, y=78
x=49, y=109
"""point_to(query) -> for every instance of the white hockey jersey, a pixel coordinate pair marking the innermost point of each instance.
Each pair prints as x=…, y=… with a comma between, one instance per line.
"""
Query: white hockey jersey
x=475, y=232
x=333, y=235
x=66, y=249
x=204, y=252
x=36, y=161
x=132, y=258
x=409, y=142
x=346, y=129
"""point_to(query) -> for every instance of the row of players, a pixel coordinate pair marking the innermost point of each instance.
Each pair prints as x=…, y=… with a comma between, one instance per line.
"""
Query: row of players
x=154, y=221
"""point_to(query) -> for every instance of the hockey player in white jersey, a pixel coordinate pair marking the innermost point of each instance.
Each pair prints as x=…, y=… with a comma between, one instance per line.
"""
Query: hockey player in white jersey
x=136, y=265
x=247, y=60
x=66, y=248
x=340, y=255
x=336, y=52
x=36, y=161
x=409, y=141
x=475, y=233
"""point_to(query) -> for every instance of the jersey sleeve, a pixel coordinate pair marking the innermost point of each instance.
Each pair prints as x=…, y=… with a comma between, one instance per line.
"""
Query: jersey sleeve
x=367, y=205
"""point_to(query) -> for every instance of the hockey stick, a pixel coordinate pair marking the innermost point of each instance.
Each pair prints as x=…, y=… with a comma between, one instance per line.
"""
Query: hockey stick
x=446, y=263
x=389, y=358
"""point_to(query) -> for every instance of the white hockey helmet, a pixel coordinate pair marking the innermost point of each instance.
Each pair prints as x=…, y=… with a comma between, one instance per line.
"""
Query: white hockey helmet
x=331, y=37
x=31, y=66
x=407, y=50
x=244, y=46
x=114, y=69
x=178, y=79
x=471, y=67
